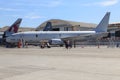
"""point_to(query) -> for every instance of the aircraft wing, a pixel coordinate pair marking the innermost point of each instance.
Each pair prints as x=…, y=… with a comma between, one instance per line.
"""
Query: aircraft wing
x=86, y=36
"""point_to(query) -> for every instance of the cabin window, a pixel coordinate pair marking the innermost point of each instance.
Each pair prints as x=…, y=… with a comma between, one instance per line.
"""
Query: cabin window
x=36, y=35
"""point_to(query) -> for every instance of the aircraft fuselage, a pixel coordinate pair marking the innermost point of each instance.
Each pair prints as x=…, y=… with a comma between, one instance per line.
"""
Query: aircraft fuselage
x=46, y=35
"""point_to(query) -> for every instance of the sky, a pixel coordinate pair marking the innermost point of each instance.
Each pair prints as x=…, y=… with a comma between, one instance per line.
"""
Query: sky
x=35, y=12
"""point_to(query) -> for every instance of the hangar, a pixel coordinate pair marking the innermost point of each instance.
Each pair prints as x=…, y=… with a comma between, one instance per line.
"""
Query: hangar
x=64, y=25
x=114, y=29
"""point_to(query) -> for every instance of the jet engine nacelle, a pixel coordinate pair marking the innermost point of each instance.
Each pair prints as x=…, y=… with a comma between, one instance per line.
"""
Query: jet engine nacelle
x=56, y=42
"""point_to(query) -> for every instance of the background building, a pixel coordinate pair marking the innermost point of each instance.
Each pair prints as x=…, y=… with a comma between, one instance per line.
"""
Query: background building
x=114, y=29
x=64, y=25
x=21, y=29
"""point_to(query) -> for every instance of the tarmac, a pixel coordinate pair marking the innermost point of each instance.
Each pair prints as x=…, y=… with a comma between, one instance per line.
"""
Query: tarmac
x=33, y=63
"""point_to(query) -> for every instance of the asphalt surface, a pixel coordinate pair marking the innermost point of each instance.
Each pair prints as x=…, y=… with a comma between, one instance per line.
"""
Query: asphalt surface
x=33, y=63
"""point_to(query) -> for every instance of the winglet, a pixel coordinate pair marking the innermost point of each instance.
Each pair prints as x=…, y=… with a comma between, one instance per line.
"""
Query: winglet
x=103, y=25
x=48, y=27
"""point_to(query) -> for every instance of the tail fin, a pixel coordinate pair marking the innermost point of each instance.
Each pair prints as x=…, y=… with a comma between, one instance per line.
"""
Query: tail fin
x=13, y=28
x=48, y=27
x=103, y=25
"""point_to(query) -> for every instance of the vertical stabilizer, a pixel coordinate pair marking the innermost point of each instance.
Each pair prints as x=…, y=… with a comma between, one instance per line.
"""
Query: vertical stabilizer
x=103, y=25
x=13, y=28
x=48, y=27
